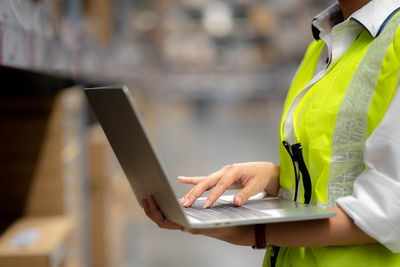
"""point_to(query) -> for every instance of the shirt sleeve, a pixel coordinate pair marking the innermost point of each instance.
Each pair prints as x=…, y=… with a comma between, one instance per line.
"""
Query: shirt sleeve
x=375, y=203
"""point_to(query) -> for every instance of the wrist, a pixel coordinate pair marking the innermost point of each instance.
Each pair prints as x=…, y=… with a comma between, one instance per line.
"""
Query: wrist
x=260, y=237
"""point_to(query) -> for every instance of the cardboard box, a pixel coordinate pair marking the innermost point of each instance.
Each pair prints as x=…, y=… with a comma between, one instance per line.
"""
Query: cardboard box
x=124, y=215
x=60, y=154
x=60, y=185
x=99, y=20
x=102, y=163
x=43, y=162
x=39, y=242
x=24, y=122
x=114, y=208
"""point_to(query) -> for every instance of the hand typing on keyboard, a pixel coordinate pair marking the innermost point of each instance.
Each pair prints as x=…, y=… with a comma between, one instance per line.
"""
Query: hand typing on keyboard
x=251, y=178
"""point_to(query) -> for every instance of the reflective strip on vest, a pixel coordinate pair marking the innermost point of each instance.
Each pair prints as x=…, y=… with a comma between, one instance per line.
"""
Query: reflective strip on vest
x=351, y=124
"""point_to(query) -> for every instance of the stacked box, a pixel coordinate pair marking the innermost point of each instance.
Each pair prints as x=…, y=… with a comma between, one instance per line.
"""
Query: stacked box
x=39, y=242
x=100, y=169
x=99, y=20
x=23, y=121
x=126, y=219
x=44, y=161
x=114, y=209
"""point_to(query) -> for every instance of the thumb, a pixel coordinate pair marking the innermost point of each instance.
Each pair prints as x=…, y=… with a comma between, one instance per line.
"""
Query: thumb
x=240, y=198
x=243, y=195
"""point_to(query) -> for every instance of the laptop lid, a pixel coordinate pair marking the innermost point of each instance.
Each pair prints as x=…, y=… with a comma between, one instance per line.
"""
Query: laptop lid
x=117, y=114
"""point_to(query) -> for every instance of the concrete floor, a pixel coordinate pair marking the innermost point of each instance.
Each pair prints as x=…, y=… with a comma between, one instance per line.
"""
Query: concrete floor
x=196, y=138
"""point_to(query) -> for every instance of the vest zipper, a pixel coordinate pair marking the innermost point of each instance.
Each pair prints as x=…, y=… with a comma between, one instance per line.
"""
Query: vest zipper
x=296, y=154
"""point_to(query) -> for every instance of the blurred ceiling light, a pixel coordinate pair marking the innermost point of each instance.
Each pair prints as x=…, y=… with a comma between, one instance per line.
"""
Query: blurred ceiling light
x=145, y=21
x=218, y=18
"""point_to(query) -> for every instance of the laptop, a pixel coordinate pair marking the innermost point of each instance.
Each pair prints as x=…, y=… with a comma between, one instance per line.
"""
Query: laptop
x=125, y=131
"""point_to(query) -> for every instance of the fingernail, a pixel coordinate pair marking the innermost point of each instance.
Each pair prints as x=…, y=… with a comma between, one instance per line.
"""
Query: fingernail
x=238, y=200
x=181, y=177
x=207, y=204
x=186, y=202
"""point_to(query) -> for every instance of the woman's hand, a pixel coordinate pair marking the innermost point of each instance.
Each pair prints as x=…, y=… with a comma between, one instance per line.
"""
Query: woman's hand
x=239, y=235
x=251, y=178
x=154, y=213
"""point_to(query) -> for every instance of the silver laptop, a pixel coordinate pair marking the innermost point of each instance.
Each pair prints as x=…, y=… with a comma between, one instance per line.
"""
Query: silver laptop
x=123, y=126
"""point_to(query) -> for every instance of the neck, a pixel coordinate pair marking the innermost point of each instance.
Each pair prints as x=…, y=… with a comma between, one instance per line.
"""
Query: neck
x=351, y=6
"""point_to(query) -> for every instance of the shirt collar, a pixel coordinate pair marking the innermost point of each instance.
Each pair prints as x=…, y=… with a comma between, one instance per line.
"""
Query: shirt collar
x=373, y=17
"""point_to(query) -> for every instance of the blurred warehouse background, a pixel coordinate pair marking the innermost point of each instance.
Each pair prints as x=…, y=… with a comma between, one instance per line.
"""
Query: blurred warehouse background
x=209, y=77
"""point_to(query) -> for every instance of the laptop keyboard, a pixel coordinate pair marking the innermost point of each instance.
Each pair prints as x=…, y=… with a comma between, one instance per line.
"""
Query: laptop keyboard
x=221, y=210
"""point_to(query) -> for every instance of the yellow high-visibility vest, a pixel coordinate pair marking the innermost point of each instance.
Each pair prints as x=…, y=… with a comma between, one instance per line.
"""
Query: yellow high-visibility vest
x=332, y=122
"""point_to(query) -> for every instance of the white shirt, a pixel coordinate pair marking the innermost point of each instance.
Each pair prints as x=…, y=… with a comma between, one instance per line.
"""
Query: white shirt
x=375, y=203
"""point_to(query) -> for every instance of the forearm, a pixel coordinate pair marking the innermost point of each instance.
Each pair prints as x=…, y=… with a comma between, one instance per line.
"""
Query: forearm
x=237, y=235
x=338, y=230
